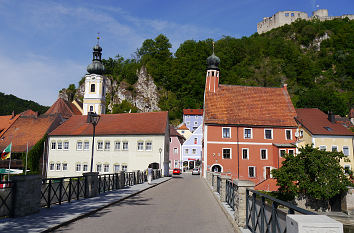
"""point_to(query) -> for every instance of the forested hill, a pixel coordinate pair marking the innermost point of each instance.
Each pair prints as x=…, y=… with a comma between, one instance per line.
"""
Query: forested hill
x=315, y=59
x=11, y=103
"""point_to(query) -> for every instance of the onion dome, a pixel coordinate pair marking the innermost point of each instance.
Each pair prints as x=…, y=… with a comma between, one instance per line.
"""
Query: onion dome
x=96, y=67
x=213, y=62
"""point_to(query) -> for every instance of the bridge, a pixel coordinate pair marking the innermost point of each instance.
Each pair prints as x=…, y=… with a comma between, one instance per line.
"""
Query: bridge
x=127, y=203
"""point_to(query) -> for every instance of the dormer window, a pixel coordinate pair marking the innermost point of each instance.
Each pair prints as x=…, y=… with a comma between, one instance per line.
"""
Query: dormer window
x=328, y=128
x=93, y=88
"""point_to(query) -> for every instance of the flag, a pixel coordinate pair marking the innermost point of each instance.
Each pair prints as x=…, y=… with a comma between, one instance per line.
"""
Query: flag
x=7, y=152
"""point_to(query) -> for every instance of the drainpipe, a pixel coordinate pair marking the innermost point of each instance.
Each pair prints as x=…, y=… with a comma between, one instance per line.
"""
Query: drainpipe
x=238, y=156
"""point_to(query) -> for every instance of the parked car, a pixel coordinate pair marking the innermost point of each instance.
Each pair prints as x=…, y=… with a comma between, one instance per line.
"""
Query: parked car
x=176, y=171
x=196, y=171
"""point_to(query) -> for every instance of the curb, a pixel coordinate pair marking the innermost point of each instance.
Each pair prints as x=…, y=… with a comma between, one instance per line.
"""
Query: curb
x=101, y=208
x=229, y=218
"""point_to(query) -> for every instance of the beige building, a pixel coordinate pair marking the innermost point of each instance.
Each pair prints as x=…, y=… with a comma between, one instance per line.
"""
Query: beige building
x=184, y=131
x=321, y=130
x=123, y=142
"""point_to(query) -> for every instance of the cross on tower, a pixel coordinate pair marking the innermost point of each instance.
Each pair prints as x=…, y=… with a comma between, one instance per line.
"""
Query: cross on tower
x=213, y=46
x=98, y=38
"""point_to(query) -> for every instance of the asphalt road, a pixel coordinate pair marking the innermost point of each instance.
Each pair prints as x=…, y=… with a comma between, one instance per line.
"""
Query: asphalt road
x=183, y=204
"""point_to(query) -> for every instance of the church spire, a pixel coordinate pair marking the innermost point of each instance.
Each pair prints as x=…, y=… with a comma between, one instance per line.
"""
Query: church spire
x=212, y=77
x=96, y=67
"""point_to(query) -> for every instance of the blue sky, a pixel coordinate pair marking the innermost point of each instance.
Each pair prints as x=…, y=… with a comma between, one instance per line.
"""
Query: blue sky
x=46, y=45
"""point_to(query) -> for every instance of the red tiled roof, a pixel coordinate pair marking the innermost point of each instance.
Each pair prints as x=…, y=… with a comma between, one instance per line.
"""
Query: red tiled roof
x=351, y=113
x=245, y=105
x=29, y=112
x=183, y=127
x=65, y=108
x=269, y=185
x=116, y=124
x=27, y=129
x=6, y=121
x=315, y=121
x=193, y=112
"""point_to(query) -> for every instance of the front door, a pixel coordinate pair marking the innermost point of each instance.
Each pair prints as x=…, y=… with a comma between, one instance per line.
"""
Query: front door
x=267, y=172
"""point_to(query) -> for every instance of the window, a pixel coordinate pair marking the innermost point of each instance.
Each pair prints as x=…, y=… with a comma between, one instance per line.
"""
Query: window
x=195, y=122
x=328, y=128
x=245, y=153
x=107, y=146
x=65, y=166
x=140, y=146
x=170, y=139
x=148, y=146
x=188, y=122
x=268, y=134
x=99, y=167
x=176, y=163
x=116, y=145
x=58, y=166
x=106, y=168
x=116, y=168
x=99, y=145
x=286, y=14
x=182, y=131
x=194, y=151
x=195, y=140
x=323, y=148
x=282, y=152
x=93, y=88
x=247, y=133
x=186, y=151
x=78, y=167
x=264, y=154
x=292, y=14
x=51, y=166
x=86, y=145
x=125, y=145
x=175, y=150
x=346, y=150
x=125, y=168
x=79, y=145
x=301, y=133
x=53, y=145
x=251, y=172
x=91, y=108
x=60, y=145
x=291, y=152
x=347, y=169
x=288, y=134
x=85, y=168
x=66, y=145
x=334, y=148
x=226, y=132
x=226, y=153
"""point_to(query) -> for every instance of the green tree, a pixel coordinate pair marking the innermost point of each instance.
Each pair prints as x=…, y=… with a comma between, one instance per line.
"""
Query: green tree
x=34, y=156
x=314, y=173
x=124, y=107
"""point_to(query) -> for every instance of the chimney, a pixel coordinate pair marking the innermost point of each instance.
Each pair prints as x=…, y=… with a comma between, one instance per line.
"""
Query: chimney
x=285, y=86
x=331, y=117
x=13, y=115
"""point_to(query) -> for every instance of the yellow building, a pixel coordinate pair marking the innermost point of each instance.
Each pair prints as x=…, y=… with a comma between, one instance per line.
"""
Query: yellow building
x=321, y=130
x=184, y=131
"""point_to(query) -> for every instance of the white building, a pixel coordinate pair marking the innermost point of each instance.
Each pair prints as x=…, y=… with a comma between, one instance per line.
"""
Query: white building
x=129, y=142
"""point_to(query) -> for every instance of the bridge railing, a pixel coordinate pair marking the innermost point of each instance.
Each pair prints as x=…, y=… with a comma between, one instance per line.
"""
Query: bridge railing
x=7, y=189
x=231, y=188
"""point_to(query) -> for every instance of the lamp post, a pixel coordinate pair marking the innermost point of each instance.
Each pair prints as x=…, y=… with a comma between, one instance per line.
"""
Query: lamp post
x=160, y=150
x=93, y=118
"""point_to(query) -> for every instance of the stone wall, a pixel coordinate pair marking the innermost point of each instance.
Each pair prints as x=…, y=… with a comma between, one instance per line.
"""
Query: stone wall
x=347, y=203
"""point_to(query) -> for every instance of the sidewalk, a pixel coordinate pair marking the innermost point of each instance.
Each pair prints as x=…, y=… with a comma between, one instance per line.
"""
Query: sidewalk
x=51, y=218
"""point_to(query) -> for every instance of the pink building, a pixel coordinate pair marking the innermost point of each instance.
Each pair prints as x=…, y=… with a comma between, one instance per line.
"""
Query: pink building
x=176, y=141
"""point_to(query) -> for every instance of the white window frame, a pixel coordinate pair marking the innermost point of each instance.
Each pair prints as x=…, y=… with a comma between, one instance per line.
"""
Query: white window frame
x=64, y=166
x=99, y=167
x=99, y=145
x=347, y=165
x=333, y=147
x=248, y=153
x=115, y=145
x=195, y=141
x=78, y=167
x=260, y=153
x=66, y=145
x=55, y=145
x=347, y=147
x=186, y=151
x=254, y=171
x=61, y=145
x=56, y=166
x=84, y=167
x=194, y=151
x=115, y=166
x=140, y=146
x=124, y=167
x=222, y=151
x=148, y=147
x=105, y=168
x=265, y=172
x=244, y=133
x=107, y=145
x=77, y=145
x=127, y=144
x=175, y=150
x=51, y=166
x=222, y=132
x=88, y=145
x=323, y=146
x=292, y=151
x=271, y=134
x=195, y=122
x=291, y=135
x=176, y=163
x=280, y=150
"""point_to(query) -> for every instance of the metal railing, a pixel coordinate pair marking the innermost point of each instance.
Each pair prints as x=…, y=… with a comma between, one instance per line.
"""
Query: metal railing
x=7, y=190
x=212, y=179
x=262, y=217
x=218, y=183
x=58, y=190
x=230, y=193
x=108, y=182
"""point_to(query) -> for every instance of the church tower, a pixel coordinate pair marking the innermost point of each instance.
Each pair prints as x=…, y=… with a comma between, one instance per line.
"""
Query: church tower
x=95, y=84
x=212, y=76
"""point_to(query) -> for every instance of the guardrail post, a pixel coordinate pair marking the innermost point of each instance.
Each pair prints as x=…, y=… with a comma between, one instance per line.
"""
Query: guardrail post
x=215, y=186
x=91, y=184
x=208, y=177
x=223, y=188
x=27, y=196
x=122, y=179
x=240, y=200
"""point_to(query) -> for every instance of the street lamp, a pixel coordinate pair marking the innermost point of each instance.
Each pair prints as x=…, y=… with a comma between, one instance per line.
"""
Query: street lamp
x=160, y=150
x=93, y=118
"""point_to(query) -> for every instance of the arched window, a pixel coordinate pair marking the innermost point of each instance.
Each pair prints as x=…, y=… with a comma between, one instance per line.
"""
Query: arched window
x=93, y=88
x=216, y=168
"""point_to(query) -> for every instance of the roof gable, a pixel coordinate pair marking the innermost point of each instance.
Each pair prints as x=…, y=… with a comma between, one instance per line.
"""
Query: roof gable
x=245, y=105
x=65, y=108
